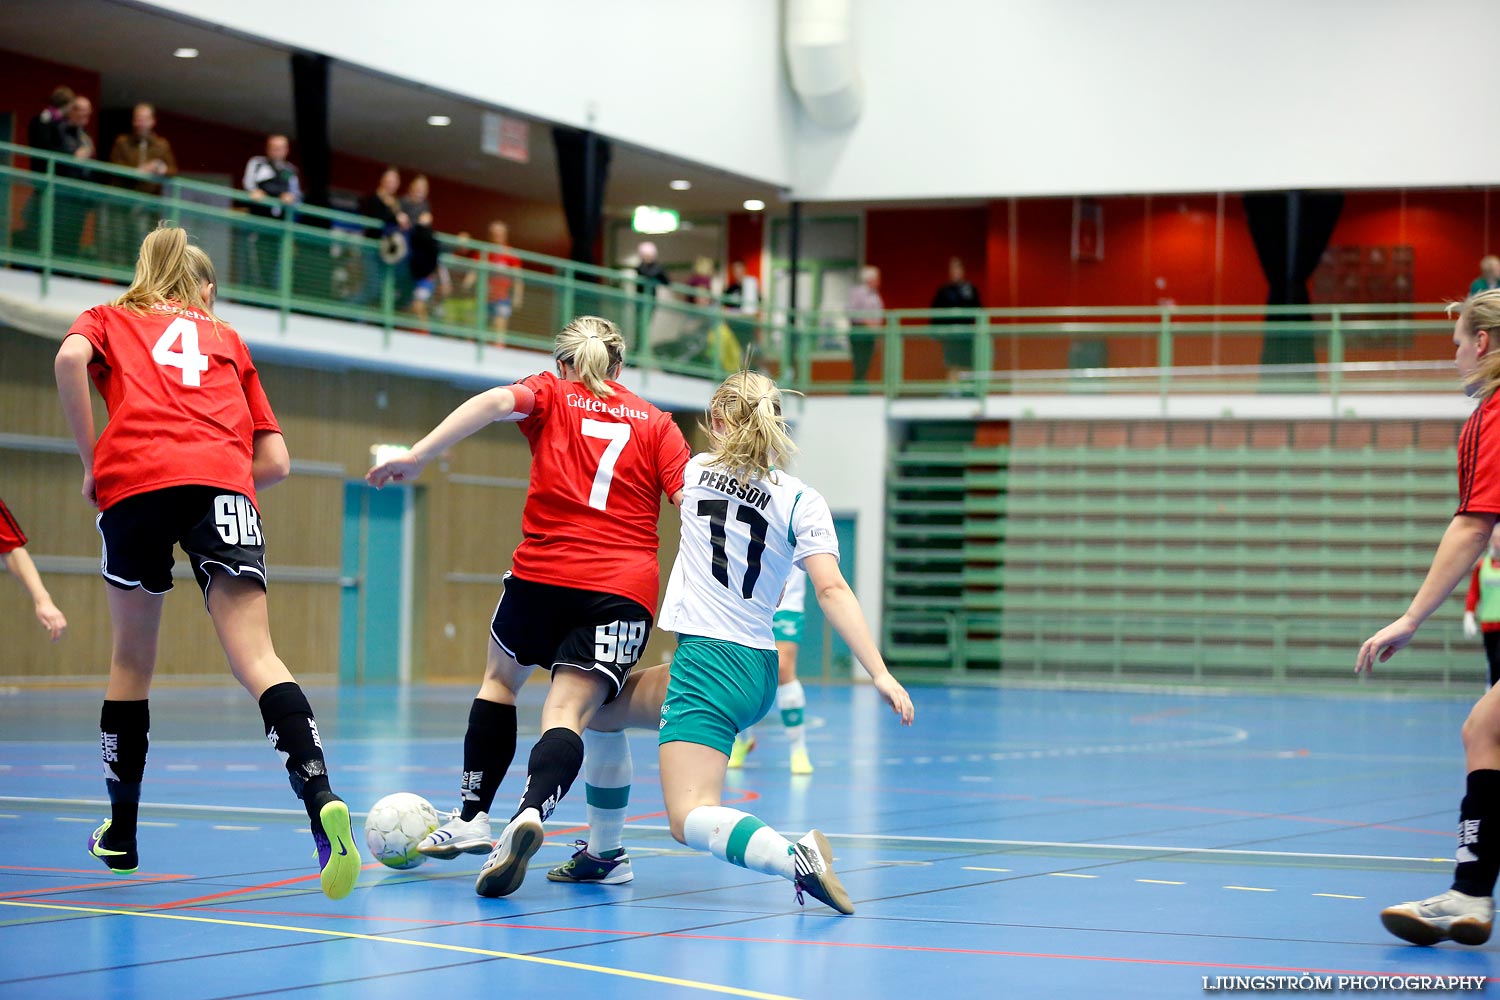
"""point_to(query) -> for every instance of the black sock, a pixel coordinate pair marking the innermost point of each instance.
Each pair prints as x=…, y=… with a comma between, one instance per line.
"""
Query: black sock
x=294, y=734
x=1479, y=835
x=124, y=728
x=489, y=747
x=554, y=765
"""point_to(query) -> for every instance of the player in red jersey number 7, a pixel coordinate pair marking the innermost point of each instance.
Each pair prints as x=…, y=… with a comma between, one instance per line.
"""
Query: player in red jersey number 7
x=581, y=593
x=190, y=438
x=1466, y=912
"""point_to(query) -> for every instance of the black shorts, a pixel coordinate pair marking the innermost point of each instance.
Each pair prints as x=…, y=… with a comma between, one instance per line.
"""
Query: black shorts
x=543, y=625
x=214, y=526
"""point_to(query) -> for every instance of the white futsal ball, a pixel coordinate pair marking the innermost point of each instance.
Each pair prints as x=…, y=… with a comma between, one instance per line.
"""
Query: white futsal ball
x=396, y=825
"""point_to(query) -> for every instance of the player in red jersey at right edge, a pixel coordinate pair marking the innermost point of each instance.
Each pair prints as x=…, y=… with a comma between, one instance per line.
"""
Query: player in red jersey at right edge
x=581, y=593
x=1466, y=912
x=190, y=439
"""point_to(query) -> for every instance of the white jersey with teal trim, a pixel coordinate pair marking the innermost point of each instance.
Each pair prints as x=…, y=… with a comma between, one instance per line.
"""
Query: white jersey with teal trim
x=795, y=595
x=740, y=541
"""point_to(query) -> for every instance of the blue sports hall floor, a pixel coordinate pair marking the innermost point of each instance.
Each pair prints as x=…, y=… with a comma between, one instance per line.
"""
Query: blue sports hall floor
x=1015, y=842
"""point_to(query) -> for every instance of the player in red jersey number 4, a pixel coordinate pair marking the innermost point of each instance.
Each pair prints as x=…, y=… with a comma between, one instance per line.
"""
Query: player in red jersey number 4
x=190, y=438
x=581, y=593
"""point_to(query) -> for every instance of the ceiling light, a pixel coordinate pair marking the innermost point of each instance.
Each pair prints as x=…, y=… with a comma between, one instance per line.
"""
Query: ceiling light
x=680, y=185
x=439, y=120
x=186, y=53
x=754, y=204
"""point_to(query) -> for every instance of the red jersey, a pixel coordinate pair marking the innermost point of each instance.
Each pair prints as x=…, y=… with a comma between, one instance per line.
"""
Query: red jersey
x=1479, y=459
x=184, y=401
x=599, y=468
x=11, y=535
x=500, y=283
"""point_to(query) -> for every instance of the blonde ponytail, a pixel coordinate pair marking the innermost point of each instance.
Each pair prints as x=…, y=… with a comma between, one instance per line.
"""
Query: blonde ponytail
x=169, y=269
x=1482, y=312
x=595, y=349
x=747, y=434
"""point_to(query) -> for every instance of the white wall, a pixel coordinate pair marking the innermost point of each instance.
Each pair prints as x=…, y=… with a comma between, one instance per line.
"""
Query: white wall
x=980, y=98
x=701, y=81
x=841, y=452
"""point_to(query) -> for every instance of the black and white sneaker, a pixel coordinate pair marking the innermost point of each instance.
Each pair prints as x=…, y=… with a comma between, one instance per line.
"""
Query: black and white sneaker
x=812, y=859
x=505, y=868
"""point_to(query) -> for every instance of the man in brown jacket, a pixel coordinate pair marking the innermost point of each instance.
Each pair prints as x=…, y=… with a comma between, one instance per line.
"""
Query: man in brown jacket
x=150, y=154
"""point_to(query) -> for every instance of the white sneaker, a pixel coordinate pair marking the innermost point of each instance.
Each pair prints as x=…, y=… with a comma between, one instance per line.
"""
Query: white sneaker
x=1450, y=915
x=505, y=868
x=458, y=836
x=812, y=860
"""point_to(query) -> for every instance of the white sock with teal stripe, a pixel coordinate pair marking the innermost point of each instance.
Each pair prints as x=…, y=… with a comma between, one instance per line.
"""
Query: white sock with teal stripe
x=606, y=783
x=791, y=700
x=740, y=839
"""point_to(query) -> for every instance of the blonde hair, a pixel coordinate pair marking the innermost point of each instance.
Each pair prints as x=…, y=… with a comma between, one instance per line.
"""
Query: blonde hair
x=747, y=434
x=169, y=269
x=595, y=348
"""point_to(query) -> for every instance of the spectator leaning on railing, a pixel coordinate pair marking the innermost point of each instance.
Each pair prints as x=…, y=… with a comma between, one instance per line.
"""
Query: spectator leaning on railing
x=958, y=293
x=73, y=207
x=505, y=286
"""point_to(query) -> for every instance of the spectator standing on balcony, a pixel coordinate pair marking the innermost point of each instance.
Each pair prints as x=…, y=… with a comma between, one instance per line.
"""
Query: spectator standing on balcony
x=505, y=286
x=142, y=150
x=43, y=132
x=274, y=185
x=392, y=222
x=1482, y=608
x=865, y=309
x=958, y=293
x=422, y=256
x=1489, y=275
x=742, y=295
x=73, y=207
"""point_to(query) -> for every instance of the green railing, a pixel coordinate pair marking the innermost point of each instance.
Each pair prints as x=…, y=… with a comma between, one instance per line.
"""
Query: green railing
x=87, y=218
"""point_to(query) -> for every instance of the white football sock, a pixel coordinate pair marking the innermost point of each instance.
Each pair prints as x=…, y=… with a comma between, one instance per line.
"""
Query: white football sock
x=791, y=699
x=606, y=777
x=739, y=838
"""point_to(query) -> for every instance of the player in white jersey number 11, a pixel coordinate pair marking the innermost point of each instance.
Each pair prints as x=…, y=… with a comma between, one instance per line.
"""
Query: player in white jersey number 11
x=745, y=525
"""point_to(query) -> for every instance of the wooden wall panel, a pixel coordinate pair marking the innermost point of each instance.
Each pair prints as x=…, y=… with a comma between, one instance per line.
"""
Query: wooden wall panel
x=328, y=417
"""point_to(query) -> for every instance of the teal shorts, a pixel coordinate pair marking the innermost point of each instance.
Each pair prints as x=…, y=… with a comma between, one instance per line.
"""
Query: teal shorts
x=717, y=689
x=787, y=626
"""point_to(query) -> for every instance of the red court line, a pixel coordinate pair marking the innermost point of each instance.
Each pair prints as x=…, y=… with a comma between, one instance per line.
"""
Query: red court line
x=745, y=796
x=612, y=932
x=69, y=888
x=253, y=888
x=82, y=871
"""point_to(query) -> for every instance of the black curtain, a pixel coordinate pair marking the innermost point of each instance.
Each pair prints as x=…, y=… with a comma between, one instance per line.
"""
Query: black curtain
x=1290, y=230
x=582, y=172
x=310, y=107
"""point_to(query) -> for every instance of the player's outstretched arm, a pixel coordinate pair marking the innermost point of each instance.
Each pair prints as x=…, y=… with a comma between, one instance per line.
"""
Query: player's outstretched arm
x=1462, y=543
x=72, y=371
x=470, y=416
x=18, y=561
x=842, y=610
x=270, y=462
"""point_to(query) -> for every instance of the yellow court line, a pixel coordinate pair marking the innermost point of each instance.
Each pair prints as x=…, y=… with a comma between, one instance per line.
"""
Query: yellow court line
x=352, y=936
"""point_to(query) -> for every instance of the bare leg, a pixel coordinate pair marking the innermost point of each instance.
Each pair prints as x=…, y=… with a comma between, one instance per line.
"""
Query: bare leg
x=238, y=608
x=135, y=621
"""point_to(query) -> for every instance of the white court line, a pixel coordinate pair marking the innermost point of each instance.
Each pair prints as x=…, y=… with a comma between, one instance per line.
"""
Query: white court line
x=1159, y=881
x=74, y=819
x=182, y=767
x=1070, y=875
x=1247, y=888
x=976, y=868
x=142, y=822
x=213, y=810
x=228, y=827
x=59, y=767
x=241, y=767
x=1336, y=895
x=9, y=816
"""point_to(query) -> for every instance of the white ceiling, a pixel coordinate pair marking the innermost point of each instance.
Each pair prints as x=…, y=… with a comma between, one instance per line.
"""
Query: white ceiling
x=247, y=84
